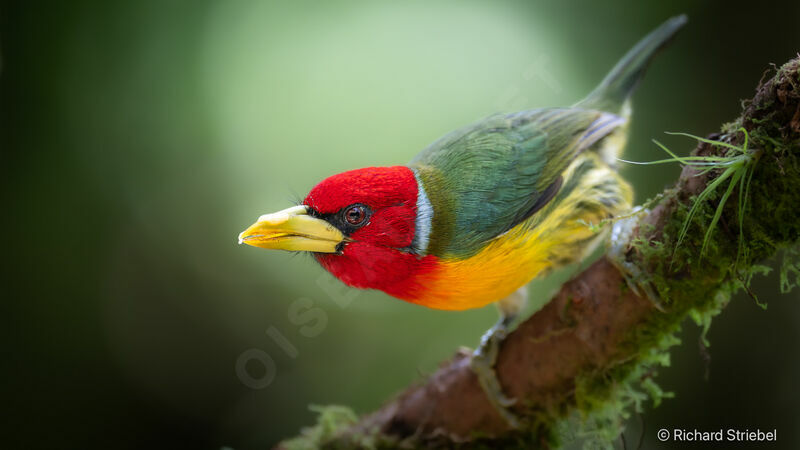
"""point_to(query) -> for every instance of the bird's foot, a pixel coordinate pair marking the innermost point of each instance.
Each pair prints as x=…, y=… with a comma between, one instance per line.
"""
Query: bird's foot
x=619, y=244
x=483, y=362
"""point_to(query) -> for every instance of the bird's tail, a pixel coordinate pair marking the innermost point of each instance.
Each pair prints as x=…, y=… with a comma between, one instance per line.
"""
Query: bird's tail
x=619, y=84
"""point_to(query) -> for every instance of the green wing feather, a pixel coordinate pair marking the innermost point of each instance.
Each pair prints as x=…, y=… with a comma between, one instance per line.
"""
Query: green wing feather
x=484, y=179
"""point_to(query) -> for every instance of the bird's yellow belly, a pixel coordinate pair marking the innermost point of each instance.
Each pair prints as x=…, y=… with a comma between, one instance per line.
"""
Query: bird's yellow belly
x=557, y=235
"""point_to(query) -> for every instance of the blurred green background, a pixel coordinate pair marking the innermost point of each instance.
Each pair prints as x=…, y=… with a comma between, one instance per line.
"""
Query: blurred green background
x=138, y=139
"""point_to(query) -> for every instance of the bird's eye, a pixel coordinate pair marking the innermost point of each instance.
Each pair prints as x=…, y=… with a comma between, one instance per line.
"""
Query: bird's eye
x=355, y=215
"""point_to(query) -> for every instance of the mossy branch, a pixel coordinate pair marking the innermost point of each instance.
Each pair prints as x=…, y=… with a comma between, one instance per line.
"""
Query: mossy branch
x=588, y=357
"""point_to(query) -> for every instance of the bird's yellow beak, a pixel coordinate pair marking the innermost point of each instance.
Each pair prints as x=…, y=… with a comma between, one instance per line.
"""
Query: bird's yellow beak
x=294, y=230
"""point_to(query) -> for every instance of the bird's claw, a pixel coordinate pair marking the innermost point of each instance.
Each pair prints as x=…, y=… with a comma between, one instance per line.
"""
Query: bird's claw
x=483, y=362
x=619, y=243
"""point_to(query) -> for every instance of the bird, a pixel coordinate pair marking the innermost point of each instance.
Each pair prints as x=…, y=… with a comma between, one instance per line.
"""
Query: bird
x=479, y=213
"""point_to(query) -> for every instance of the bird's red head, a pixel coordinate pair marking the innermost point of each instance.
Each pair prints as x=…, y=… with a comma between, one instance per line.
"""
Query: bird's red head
x=360, y=225
x=376, y=209
x=375, y=206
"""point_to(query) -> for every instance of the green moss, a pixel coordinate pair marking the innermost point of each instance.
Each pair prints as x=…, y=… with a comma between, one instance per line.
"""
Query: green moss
x=606, y=399
x=790, y=269
x=331, y=419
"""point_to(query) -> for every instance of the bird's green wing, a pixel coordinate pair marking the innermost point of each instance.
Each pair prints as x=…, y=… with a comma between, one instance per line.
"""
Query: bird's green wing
x=486, y=178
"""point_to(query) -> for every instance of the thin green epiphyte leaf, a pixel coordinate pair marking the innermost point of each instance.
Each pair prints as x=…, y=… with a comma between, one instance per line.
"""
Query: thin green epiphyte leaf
x=707, y=141
x=718, y=213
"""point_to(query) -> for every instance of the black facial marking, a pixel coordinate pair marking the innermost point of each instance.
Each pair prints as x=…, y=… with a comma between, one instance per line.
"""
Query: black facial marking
x=348, y=219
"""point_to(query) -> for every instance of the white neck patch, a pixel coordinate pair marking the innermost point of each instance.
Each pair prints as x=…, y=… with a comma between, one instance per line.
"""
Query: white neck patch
x=424, y=219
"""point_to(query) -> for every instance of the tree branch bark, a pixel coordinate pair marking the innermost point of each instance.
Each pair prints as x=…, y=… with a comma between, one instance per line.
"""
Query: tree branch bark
x=596, y=335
